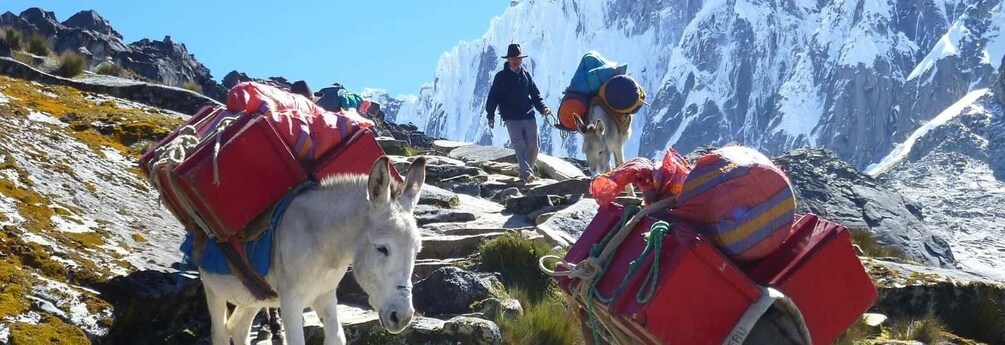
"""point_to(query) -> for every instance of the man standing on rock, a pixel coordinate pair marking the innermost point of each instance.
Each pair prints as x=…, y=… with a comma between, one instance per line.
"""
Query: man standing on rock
x=515, y=94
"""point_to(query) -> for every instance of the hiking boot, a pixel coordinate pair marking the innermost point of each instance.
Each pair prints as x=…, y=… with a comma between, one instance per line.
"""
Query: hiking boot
x=529, y=179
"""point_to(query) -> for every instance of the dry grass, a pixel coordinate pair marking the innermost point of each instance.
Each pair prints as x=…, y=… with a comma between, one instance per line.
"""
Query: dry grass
x=192, y=86
x=13, y=38
x=108, y=68
x=39, y=45
x=546, y=322
x=928, y=330
x=870, y=247
x=70, y=65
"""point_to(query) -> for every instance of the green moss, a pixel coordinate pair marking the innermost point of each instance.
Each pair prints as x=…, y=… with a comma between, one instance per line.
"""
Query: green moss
x=139, y=238
x=14, y=283
x=32, y=206
x=51, y=330
x=95, y=124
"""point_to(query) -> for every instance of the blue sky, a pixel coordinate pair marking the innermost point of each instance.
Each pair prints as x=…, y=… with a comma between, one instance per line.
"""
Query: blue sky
x=389, y=44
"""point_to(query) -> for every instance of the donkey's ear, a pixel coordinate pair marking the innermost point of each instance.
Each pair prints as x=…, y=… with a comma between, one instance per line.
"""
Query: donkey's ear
x=412, y=187
x=378, y=188
x=599, y=127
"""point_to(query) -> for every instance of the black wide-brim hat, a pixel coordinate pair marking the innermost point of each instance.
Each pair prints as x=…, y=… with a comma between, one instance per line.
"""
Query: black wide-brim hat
x=514, y=51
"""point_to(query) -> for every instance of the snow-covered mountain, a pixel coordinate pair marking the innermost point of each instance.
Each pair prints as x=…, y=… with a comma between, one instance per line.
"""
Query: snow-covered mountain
x=954, y=168
x=852, y=76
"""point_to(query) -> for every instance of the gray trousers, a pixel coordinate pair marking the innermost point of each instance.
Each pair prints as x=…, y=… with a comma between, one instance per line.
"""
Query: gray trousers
x=523, y=136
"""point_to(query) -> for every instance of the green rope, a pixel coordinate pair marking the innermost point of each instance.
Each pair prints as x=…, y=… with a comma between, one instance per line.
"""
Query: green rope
x=654, y=246
x=598, y=248
x=654, y=241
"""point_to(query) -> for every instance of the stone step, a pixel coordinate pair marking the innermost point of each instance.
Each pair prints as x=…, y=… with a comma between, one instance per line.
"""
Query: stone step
x=438, y=247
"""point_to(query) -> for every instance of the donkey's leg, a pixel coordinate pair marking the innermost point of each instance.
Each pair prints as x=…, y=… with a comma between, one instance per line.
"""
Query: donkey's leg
x=239, y=323
x=292, y=307
x=218, y=317
x=326, y=306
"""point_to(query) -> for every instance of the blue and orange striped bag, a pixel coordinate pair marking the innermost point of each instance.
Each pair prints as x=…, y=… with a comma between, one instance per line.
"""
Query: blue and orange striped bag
x=739, y=200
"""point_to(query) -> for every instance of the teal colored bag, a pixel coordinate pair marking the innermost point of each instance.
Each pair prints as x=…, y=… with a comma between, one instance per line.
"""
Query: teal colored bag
x=349, y=100
x=593, y=71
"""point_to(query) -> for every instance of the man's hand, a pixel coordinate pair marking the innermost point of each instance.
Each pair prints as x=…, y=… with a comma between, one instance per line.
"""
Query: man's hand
x=547, y=111
x=492, y=123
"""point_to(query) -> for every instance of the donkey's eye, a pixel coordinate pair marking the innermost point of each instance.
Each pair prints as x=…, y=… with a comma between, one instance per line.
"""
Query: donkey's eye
x=382, y=250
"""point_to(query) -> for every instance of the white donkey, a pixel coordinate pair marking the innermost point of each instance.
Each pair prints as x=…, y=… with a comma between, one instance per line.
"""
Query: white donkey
x=358, y=220
x=603, y=137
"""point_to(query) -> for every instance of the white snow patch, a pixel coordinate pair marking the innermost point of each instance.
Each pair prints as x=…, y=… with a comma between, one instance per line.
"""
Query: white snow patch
x=903, y=149
x=3, y=98
x=73, y=224
x=45, y=118
x=4, y=333
x=68, y=302
x=750, y=12
x=947, y=46
x=995, y=48
x=8, y=207
x=800, y=105
x=31, y=237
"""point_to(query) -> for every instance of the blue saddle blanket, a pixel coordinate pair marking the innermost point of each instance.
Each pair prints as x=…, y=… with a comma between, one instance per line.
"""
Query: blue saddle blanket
x=213, y=261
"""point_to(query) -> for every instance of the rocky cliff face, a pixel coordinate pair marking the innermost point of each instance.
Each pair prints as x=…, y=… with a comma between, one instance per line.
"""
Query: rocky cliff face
x=834, y=189
x=955, y=173
x=91, y=35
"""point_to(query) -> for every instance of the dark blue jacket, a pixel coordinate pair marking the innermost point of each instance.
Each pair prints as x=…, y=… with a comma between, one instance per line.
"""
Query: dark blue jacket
x=515, y=94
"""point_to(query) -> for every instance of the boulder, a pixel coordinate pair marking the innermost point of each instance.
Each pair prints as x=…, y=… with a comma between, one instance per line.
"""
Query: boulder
x=425, y=214
x=477, y=153
x=557, y=168
x=393, y=146
x=565, y=187
x=965, y=303
x=362, y=327
x=434, y=196
x=508, y=169
x=453, y=246
x=451, y=290
x=529, y=204
x=440, y=172
x=565, y=226
x=494, y=308
x=463, y=184
x=506, y=194
x=445, y=146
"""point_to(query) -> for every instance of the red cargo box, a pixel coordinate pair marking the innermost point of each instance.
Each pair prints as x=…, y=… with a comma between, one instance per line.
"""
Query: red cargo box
x=354, y=156
x=700, y=294
x=255, y=169
x=200, y=120
x=818, y=260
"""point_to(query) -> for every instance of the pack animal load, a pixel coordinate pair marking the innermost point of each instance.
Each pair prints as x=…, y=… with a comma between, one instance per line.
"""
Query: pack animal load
x=669, y=273
x=598, y=80
x=224, y=169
